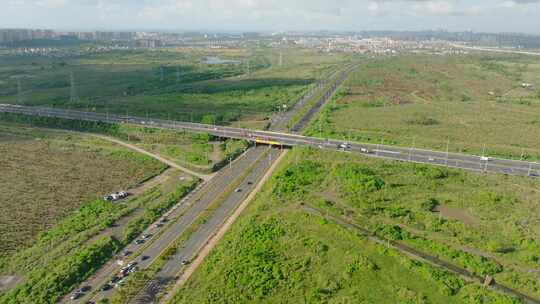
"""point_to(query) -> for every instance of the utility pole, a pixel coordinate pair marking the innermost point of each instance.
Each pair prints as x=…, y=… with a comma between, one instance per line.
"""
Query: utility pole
x=412, y=148
x=178, y=74
x=447, y=151
x=73, y=90
x=248, y=68
x=19, y=91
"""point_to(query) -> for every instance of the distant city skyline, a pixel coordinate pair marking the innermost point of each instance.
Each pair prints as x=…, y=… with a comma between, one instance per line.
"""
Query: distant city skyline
x=278, y=15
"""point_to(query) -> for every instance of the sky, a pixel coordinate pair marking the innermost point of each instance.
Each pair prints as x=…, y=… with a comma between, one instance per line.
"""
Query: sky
x=273, y=15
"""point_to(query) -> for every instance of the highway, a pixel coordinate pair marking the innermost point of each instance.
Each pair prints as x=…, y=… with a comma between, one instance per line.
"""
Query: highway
x=179, y=219
x=244, y=172
x=406, y=154
x=189, y=249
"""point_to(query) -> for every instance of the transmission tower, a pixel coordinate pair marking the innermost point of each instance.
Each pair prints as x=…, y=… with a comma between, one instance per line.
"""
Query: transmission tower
x=73, y=90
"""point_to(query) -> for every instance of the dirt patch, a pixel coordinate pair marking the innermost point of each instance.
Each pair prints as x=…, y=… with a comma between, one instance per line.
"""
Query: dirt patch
x=456, y=214
x=7, y=282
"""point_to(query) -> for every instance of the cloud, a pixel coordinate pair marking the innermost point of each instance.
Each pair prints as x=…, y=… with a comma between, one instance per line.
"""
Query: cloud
x=487, y=15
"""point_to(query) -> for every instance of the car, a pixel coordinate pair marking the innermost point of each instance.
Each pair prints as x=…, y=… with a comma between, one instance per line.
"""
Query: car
x=237, y=190
x=86, y=288
x=344, y=146
x=534, y=174
x=115, y=279
x=106, y=287
x=146, y=236
x=145, y=257
x=485, y=158
x=75, y=296
x=159, y=225
x=164, y=220
x=120, y=283
x=127, y=253
x=431, y=159
x=122, y=194
x=131, y=264
x=250, y=183
x=185, y=262
x=139, y=242
x=364, y=150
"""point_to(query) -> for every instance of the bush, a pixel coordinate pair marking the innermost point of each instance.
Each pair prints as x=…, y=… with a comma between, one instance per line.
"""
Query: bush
x=296, y=179
x=422, y=120
x=429, y=205
x=391, y=232
x=355, y=179
x=50, y=284
x=431, y=172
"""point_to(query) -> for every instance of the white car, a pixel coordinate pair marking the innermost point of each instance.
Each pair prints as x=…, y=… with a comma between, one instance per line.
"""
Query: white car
x=485, y=158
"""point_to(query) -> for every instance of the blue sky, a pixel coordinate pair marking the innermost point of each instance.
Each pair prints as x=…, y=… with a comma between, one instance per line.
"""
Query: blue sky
x=274, y=15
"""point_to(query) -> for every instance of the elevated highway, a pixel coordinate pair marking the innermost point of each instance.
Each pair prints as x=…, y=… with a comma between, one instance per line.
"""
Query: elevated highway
x=406, y=154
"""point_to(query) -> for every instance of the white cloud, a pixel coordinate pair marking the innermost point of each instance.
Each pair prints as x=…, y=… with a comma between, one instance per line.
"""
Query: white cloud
x=434, y=8
x=485, y=15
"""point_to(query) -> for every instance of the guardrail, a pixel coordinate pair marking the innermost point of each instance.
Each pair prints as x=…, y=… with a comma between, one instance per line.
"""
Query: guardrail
x=437, y=158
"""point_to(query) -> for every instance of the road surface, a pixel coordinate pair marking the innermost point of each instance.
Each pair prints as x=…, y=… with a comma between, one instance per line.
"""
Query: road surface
x=178, y=220
x=438, y=158
x=174, y=266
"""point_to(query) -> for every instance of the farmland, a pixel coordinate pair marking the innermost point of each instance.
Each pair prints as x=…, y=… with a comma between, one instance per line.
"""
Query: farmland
x=280, y=252
x=168, y=83
x=472, y=104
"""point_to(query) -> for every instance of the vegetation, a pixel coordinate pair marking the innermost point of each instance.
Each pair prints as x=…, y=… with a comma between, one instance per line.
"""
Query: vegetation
x=47, y=285
x=199, y=152
x=280, y=252
x=168, y=83
x=80, y=251
x=151, y=214
x=60, y=171
x=472, y=104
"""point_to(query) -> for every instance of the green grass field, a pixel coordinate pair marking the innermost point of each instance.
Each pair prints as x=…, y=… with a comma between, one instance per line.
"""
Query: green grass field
x=474, y=103
x=46, y=175
x=280, y=253
x=168, y=83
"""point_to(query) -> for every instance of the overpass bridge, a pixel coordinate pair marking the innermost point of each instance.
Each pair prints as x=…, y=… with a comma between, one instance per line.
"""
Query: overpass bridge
x=437, y=158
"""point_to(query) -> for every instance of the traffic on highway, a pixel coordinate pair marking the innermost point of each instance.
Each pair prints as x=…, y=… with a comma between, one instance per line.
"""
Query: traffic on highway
x=438, y=158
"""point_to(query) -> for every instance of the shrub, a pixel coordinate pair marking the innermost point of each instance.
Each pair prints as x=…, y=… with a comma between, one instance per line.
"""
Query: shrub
x=295, y=180
x=429, y=205
x=50, y=284
x=431, y=172
x=355, y=179
x=422, y=120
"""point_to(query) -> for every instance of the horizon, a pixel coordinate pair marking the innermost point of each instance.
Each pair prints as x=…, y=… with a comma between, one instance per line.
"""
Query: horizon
x=480, y=16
